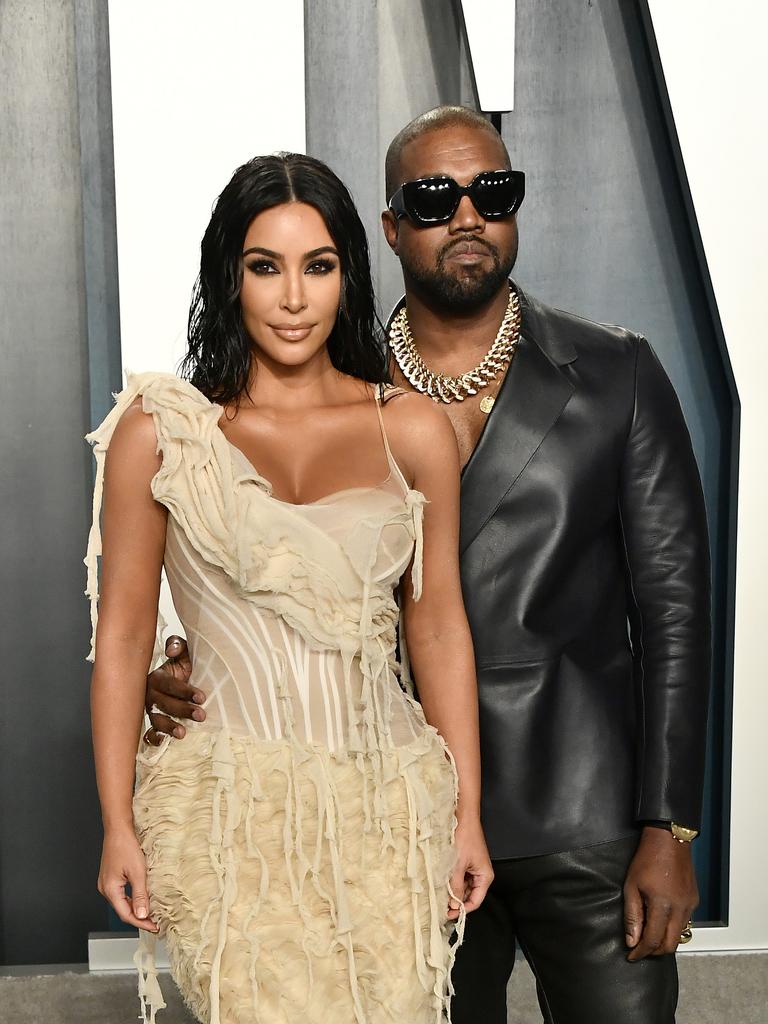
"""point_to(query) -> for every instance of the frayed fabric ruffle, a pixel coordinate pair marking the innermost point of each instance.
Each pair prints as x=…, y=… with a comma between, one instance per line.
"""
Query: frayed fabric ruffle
x=284, y=897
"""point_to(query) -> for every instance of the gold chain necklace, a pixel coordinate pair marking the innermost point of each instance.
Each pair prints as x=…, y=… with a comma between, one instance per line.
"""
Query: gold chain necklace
x=441, y=387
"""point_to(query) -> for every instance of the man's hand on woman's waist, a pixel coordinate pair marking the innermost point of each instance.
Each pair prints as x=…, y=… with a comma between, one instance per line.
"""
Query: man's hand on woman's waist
x=170, y=698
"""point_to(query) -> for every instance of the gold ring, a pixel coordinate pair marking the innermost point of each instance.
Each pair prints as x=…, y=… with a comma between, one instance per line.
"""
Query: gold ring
x=686, y=934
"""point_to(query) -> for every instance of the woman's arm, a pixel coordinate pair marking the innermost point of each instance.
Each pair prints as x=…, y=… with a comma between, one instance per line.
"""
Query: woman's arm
x=437, y=633
x=133, y=543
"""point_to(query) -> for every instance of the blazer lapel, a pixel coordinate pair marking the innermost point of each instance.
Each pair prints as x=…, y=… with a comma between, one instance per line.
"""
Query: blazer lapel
x=533, y=395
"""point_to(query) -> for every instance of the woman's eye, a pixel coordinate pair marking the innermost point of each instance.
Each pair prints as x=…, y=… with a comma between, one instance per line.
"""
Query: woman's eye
x=321, y=267
x=262, y=267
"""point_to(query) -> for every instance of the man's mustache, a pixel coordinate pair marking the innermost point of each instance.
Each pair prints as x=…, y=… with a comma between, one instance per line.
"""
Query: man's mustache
x=473, y=240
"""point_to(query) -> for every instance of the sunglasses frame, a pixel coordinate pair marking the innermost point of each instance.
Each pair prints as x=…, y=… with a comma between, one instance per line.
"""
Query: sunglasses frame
x=401, y=207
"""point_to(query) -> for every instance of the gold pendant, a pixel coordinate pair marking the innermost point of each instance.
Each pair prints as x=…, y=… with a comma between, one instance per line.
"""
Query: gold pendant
x=486, y=403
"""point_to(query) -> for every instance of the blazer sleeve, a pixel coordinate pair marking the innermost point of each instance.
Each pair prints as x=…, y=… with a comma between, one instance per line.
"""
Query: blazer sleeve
x=667, y=549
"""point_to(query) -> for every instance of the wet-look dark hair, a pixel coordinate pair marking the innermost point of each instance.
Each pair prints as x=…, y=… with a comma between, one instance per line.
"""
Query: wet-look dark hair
x=219, y=352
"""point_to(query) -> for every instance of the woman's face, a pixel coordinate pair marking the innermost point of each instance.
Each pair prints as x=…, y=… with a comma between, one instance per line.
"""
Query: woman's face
x=291, y=283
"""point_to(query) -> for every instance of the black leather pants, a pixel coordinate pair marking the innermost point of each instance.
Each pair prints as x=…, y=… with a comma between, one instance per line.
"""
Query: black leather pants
x=566, y=913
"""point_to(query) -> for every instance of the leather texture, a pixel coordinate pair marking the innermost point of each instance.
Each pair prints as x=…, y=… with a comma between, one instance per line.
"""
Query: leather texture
x=566, y=913
x=582, y=512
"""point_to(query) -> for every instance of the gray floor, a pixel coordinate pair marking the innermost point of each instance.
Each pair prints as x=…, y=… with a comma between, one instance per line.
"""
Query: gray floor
x=714, y=990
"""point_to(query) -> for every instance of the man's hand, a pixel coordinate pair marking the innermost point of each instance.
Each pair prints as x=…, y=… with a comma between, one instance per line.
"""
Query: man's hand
x=660, y=894
x=168, y=690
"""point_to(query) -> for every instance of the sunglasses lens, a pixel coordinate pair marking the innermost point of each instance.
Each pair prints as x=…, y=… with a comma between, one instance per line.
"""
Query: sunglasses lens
x=435, y=200
x=498, y=193
x=431, y=200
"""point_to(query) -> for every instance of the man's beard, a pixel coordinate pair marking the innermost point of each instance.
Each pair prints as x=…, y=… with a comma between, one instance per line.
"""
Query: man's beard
x=463, y=293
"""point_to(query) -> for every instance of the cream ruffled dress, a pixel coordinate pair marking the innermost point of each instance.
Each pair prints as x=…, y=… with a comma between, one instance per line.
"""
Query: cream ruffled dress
x=299, y=841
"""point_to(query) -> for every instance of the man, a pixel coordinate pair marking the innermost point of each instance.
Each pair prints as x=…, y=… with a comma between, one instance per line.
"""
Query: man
x=585, y=572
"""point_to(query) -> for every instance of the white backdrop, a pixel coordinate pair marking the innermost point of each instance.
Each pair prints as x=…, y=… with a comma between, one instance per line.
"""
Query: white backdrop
x=197, y=89
x=492, y=53
x=714, y=64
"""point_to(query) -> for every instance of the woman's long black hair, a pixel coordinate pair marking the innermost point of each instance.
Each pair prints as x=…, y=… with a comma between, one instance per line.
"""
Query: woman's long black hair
x=218, y=359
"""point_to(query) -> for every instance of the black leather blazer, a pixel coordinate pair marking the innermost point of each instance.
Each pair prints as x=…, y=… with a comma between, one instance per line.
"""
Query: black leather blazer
x=585, y=568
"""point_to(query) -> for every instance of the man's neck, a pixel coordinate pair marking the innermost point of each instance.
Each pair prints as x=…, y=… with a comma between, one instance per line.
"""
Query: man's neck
x=445, y=337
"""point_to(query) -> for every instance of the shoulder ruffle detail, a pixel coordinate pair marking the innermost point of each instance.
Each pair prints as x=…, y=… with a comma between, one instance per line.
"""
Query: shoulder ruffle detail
x=183, y=417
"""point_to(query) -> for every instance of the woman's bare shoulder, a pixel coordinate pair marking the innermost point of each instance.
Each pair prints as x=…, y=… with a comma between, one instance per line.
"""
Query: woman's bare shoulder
x=419, y=432
x=418, y=415
x=135, y=438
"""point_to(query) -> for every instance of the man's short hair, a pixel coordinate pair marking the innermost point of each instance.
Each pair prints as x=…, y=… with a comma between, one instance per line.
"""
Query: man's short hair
x=433, y=120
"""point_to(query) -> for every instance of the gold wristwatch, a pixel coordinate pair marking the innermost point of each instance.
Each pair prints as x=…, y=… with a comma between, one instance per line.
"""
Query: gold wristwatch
x=681, y=833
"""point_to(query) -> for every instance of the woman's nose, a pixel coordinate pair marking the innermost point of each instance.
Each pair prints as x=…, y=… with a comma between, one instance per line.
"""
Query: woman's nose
x=294, y=298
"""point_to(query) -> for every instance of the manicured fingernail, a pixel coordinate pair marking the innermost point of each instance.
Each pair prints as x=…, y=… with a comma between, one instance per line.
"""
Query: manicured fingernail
x=141, y=913
x=198, y=714
x=198, y=697
x=178, y=732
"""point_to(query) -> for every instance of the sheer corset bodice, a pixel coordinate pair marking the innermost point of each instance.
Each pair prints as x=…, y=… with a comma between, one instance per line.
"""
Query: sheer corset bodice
x=265, y=677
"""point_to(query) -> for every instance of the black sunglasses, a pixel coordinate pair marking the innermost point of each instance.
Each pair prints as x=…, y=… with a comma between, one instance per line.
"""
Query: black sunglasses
x=436, y=199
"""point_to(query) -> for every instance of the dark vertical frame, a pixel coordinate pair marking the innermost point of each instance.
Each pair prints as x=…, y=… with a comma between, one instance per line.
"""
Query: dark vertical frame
x=54, y=344
x=97, y=169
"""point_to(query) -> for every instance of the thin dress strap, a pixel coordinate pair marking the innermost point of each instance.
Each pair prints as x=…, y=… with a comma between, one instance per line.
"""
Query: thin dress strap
x=380, y=397
x=414, y=500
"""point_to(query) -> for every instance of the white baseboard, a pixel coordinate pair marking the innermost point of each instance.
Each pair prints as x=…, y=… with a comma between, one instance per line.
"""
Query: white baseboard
x=114, y=951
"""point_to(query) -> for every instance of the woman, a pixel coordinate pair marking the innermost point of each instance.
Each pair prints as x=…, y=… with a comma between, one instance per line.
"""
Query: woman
x=298, y=849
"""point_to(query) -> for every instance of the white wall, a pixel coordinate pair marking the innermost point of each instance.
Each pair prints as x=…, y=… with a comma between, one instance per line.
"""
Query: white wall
x=197, y=89
x=492, y=52
x=714, y=63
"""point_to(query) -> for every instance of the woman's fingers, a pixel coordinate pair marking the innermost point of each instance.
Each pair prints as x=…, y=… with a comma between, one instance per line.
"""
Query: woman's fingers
x=139, y=894
x=473, y=873
x=123, y=864
x=479, y=884
x=114, y=891
x=456, y=891
x=468, y=886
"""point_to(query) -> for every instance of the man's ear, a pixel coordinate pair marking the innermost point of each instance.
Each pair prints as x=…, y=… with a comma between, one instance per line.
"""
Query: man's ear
x=391, y=226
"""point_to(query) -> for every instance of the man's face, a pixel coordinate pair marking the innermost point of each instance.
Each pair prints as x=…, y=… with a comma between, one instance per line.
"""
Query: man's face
x=463, y=264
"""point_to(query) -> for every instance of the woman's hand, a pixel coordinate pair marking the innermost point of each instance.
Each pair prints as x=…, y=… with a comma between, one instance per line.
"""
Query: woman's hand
x=473, y=872
x=123, y=863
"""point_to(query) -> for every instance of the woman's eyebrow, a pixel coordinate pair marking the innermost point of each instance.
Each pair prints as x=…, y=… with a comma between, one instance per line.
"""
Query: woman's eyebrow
x=263, y=252
x=316, y=252
x=278, y=256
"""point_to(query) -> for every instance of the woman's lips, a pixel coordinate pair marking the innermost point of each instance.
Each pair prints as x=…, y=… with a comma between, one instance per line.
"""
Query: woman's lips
x=292, y=332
